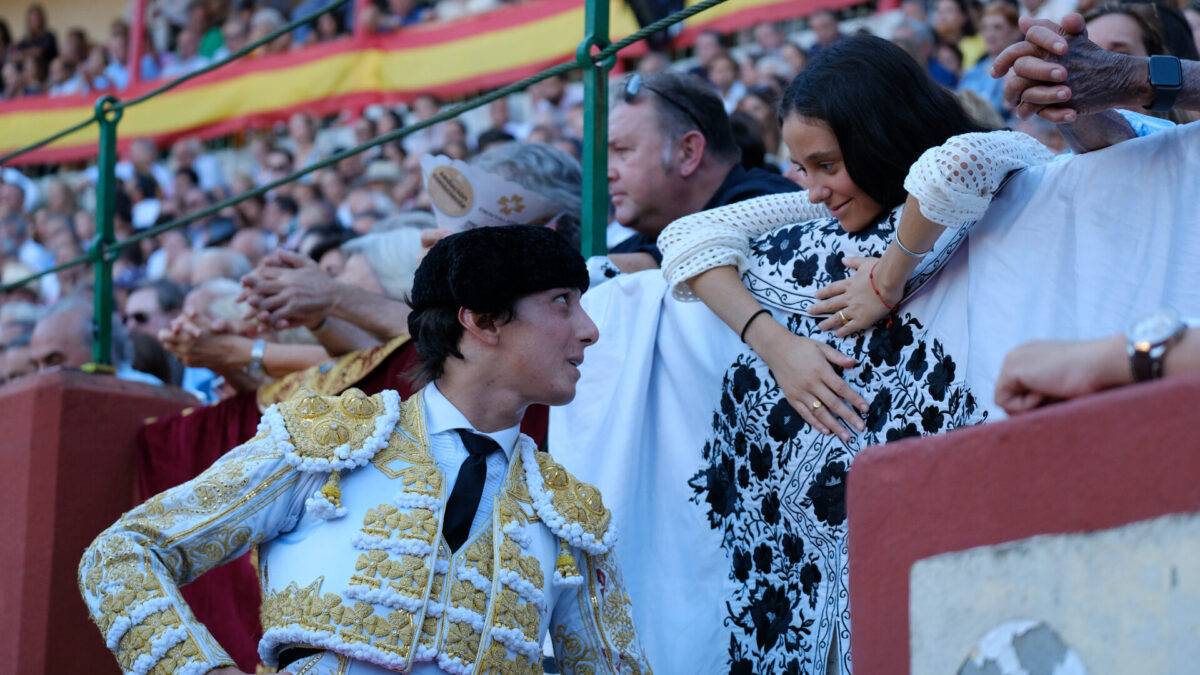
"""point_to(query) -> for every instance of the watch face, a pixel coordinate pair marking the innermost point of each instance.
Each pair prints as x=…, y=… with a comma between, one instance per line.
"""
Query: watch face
x=1166, y=72
x=1155, y=328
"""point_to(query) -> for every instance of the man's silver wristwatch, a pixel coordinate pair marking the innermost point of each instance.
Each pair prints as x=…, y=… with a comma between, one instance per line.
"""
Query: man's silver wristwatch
x=1148, y=340
x=255, y=368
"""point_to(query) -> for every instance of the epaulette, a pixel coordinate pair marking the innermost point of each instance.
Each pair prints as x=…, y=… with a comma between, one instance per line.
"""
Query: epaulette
x=571, y=508
x=332, y=433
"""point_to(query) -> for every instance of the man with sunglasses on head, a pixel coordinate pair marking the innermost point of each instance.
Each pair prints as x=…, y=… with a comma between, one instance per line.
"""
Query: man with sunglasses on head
x=671, y=153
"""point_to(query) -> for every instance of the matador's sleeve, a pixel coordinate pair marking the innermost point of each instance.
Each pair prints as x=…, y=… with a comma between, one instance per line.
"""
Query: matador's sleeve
x=591, y=622
x=593, y=631
x=130, y=574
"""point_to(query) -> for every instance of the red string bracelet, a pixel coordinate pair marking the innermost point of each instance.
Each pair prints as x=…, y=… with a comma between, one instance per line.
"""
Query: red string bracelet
x=871, y=276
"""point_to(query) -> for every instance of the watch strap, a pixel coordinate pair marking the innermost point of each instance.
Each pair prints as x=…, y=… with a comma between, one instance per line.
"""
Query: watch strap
x=1144, y=365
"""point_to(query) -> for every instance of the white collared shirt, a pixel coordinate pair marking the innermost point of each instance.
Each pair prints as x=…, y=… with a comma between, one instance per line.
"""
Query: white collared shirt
x=442, y=418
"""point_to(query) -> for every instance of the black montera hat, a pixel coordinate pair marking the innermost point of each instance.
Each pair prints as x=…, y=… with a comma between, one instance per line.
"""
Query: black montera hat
x=486, y=269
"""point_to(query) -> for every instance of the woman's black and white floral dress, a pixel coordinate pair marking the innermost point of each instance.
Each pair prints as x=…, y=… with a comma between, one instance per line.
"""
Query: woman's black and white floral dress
x=772, y=486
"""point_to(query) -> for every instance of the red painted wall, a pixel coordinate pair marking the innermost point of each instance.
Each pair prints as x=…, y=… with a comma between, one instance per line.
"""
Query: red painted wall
x=66, y=455
x=1112, y=459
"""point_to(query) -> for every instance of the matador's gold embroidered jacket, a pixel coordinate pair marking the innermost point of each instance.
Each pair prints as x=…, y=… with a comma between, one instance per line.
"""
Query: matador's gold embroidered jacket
x=346, y=504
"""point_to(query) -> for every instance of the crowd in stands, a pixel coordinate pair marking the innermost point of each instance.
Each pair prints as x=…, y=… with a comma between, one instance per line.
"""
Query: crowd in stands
x=182, y=37
x=51, y=220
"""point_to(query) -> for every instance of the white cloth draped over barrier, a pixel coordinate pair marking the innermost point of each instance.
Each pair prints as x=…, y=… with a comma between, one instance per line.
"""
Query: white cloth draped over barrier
x=1074, y=249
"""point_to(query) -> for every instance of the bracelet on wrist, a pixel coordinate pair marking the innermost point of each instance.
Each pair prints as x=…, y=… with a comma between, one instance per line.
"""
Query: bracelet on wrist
x=911, y=253
x=751, y=320
x=871, y=276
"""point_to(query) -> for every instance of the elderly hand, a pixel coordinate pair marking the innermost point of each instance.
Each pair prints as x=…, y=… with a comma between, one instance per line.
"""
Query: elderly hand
x=199, y=347
x=288, y=289
x=852, y=302
x=1060, y=75
x=802, y=368
x=1045, y=371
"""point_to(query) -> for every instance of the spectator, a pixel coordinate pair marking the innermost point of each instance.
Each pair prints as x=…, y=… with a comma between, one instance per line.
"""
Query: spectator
x=916, y=38
x=768, y=40
x=152, y=306
x=671, y=153
x=76, y=47
x=400, y=14
x=64, y=338
x=64, y=81
x=1128, y=28
x=493, y=138
x=92, y=70
x=761, y=103
x=18, y=359
x=216, y=262
x=116, y=70
x=708, y=45
x=955, y=26
x=188, y=153
x=279, y=216
x=999, y=29
x=17, y=317
x=824, y=25
x=1051, y=10
x=28, y=294
x=34, y=73
x=795, y=57
x=322, y=244
x=187, y=58
x=263, y=22
x=235, y=34
x=302, y=130
x=39, y=42
x=722, y=72
x=950, y=58
x=915, y=10
x=748, y=135
x=253, y=243
x=13, y=79
x=211, y=230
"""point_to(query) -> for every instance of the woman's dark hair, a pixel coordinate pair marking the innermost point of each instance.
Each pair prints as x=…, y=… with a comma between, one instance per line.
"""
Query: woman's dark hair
x=881, y=106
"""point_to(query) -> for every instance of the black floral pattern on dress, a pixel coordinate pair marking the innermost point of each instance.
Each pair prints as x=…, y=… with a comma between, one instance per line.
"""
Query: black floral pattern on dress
x=775, y=488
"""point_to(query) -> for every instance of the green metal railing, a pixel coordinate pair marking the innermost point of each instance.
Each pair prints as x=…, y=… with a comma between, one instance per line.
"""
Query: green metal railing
x=595, y=57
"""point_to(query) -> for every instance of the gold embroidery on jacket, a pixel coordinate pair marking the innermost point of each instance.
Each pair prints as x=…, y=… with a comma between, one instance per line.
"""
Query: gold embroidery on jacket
x=573, y=653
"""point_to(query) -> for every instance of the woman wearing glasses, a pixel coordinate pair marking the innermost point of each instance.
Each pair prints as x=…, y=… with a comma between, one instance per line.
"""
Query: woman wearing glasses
x=794, y=413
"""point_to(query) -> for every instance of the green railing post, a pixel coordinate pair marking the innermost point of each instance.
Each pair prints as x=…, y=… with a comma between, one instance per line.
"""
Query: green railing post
x=99, y=253
x=595, y=124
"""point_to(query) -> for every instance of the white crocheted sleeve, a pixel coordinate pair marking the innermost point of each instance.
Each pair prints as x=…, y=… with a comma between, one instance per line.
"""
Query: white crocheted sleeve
x=721, y=236
x=954, y=182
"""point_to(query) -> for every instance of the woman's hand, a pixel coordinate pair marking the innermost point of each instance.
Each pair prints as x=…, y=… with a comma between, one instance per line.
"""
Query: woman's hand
x=802, y=368
x=852, y=302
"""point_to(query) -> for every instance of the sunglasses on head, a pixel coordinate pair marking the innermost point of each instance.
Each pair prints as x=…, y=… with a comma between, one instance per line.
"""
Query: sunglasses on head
x=635, y=83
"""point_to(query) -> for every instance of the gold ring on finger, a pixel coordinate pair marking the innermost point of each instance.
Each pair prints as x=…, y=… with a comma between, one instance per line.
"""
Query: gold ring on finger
x=816, y=405
x=842, y=316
